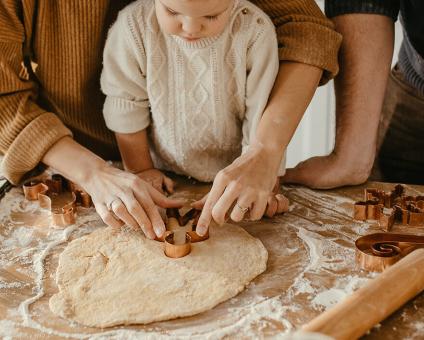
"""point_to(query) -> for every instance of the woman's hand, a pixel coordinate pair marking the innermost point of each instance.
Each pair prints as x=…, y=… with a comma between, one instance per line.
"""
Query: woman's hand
x=158, y=180
x=119, y=196
x=277, y=203
x=124, y=198
x=244, y=186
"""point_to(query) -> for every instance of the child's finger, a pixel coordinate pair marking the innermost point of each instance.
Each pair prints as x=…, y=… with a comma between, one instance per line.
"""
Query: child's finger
x=198, y=205
x=163, y=201
x=272, y=206
x=283, y=203
x=169, y=185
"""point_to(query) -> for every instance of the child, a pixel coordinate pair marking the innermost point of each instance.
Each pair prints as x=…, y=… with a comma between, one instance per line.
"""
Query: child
x=198, y=74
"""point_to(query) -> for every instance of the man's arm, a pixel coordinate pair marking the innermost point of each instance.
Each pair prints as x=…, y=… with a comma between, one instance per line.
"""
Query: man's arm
x=365, y=60
x=308, y=48
x=22, y=122
x=293, y=90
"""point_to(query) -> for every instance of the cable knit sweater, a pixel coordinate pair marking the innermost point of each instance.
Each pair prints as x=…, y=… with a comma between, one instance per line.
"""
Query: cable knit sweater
x=226, y=82
x=66, y=40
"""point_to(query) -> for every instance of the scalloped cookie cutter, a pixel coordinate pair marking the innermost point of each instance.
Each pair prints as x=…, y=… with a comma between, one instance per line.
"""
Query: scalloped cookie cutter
x=47, y=193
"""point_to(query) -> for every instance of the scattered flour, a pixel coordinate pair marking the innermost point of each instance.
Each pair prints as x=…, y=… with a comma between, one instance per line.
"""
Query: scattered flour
x=345, y=287
x=321, y=251
x=10, y=285
x=8, y=330
x=21, y=237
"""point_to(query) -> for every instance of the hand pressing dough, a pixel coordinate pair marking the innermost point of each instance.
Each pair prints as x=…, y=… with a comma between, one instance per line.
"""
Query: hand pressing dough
x=110, y=278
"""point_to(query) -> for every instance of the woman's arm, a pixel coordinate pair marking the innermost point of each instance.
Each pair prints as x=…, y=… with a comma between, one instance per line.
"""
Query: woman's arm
x=117, y=195
x=304, y=34
x=293, y=90
x=308, y=48
x=22, y=121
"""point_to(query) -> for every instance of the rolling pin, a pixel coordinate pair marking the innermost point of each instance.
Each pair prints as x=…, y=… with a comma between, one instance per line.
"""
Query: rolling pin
x=380, y=297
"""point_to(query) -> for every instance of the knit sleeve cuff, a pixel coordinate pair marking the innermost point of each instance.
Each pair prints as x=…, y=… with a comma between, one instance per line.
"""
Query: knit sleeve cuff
x=311, y=44
x=31, y=144
x=388, y=8
x=126, y=116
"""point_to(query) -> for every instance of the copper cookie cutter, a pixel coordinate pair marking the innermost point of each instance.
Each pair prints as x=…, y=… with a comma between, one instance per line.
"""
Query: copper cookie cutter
x=388, y=207
x=181, y=232
x=47, y=193
x=376, y=252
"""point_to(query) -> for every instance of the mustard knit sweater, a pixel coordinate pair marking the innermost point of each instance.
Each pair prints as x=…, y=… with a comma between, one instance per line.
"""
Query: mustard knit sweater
x=66, y=39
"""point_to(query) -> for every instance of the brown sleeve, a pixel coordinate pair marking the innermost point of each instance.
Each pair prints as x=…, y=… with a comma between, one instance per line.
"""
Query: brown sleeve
x=26, y=130
x=305, y=35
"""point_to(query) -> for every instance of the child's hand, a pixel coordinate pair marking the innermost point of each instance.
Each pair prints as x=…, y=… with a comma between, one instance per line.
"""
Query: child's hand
x=277, y=202
x=158, y=180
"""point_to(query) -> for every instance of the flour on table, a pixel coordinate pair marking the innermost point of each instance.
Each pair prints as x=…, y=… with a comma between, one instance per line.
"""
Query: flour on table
x=109, y=278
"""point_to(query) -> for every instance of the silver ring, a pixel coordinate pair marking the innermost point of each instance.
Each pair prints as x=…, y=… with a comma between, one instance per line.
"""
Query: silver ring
x=243, y=209
x=109, y=205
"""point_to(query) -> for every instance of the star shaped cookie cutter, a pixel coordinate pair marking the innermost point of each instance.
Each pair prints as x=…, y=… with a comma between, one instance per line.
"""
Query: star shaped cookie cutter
x=48, y=194
x=376, y=252
x=388, y=207
x=181, y=232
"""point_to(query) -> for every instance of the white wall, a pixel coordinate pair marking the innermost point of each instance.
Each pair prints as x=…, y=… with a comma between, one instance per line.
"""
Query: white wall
x=316, y=132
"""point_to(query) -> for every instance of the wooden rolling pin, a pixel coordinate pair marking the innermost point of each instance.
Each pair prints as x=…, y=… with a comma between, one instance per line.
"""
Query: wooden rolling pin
x=380, y=297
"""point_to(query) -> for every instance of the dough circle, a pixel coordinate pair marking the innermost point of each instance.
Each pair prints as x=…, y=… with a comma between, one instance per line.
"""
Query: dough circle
x=110, y=278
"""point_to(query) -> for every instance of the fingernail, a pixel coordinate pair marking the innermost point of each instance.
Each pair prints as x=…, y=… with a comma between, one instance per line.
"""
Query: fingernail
x=159, y=230
x=201, y=230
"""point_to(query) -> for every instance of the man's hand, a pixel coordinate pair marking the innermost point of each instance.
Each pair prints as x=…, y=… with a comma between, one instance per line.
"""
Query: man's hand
x=158, y=180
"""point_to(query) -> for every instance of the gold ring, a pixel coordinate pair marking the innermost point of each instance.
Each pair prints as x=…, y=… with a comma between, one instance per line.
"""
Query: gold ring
x=243, y=209
x=109, y=205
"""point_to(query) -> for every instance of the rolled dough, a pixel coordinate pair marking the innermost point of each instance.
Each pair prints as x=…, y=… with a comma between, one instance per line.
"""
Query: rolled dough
x=110, y=278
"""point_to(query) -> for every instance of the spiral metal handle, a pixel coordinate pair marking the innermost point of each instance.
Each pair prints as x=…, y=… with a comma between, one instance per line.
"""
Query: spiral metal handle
x=375, y=252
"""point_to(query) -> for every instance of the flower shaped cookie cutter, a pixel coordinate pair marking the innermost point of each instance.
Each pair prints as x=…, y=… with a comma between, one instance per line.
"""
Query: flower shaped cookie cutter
x=181, y=232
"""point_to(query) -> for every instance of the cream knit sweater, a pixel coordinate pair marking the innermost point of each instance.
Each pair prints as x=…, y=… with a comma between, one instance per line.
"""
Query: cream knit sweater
x=202, y=100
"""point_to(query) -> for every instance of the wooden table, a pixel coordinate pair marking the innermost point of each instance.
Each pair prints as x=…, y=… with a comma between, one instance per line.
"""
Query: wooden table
x=311, y=265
